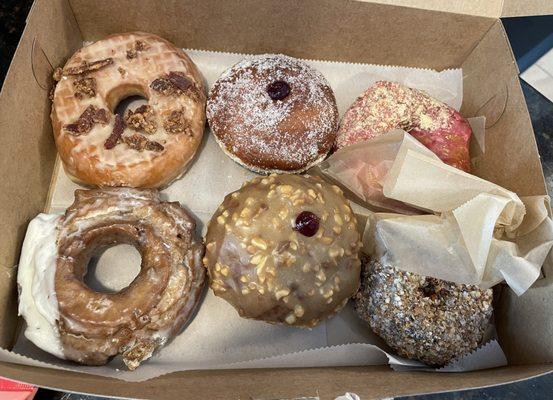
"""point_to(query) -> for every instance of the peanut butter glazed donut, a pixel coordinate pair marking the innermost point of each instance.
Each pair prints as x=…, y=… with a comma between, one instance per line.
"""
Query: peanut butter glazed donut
x=423, y=318
x=284, y=249
x=90, y=327
x=386, y=106
x=273, y=113
x=147, y=147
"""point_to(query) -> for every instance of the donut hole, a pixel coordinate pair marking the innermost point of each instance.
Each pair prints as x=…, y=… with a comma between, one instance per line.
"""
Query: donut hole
x=128, y=97
x=113, y=268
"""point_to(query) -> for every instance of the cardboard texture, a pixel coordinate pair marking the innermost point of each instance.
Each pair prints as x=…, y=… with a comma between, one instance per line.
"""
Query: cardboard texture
x=326, y=30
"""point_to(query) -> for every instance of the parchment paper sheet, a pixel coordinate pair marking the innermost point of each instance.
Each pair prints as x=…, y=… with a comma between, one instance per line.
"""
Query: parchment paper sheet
x=476, y=233
x=217, y=337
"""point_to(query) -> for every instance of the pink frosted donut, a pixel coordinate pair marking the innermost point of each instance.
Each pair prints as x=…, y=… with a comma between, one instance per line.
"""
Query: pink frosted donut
x=386, y=106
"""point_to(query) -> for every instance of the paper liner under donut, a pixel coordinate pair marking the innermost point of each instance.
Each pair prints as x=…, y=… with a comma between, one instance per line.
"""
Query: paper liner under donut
x=84, y=157
x=135, y=321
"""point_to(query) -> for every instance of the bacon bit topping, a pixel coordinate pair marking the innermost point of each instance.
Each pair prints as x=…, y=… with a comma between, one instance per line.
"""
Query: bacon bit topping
x=179, y=80
x=175, y=83
x=84, y=87
x=122, y=71
x=142, y=119
x=87, y=67
x=137, y=47
x=57, y=74
x=92, y=115
x=140, y=143
x=118, y=128
x=177, y=123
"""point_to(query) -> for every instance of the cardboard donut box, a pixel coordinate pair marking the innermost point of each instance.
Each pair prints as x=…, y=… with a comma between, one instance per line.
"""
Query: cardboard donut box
x=435, y=34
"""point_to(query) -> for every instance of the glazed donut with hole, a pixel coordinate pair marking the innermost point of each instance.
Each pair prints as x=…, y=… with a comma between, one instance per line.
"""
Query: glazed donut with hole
x=147, y=147
x=68, y=319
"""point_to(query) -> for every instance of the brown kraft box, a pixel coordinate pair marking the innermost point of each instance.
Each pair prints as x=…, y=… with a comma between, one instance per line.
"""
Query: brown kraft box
x=433, y=34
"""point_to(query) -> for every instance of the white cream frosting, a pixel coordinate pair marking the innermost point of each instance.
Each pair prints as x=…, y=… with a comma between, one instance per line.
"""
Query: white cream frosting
x=35, y=278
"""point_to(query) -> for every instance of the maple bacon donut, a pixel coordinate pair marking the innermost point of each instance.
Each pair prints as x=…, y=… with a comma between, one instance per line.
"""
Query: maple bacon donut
x=70, y=320
x=147, y=147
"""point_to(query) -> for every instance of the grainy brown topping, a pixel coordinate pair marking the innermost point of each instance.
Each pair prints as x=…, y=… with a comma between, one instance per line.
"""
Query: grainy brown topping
x=428, y=319
x=142, y=119
x=91, y=116
x=140, y=143
x=87, y=67
x=122, y=71
x=84, y=87
x=177, y=123
x=137, y=47
x=118, y=128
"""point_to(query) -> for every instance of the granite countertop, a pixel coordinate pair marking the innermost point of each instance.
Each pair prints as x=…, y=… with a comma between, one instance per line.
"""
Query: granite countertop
x=12, y=21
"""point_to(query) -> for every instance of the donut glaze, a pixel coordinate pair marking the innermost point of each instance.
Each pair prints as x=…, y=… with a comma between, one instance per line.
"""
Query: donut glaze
x=386, y=106
x=284, y=249
x=68, y=319
x=149, y=146
x=273, y=113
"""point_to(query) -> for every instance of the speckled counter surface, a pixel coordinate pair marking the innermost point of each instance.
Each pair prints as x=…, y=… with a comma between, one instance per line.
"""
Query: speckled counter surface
x=12, y=21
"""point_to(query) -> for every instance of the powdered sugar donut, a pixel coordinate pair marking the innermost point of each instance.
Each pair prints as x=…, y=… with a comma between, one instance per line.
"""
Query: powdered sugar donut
x=149, y=146
x=386, y=106
x=273, y=113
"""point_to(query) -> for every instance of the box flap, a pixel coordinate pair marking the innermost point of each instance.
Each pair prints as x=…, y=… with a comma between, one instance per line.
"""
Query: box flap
x=517, y=8
x=488, y=8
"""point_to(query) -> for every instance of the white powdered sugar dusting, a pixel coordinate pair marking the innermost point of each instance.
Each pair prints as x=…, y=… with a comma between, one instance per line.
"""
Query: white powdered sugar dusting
x=264, y=133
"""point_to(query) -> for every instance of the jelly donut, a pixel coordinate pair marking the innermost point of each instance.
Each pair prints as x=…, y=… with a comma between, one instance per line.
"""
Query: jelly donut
x=147, y=147
x=422, y=318
x=284, y=249
x=70, y=320
x=273, y=113
x=386, y=106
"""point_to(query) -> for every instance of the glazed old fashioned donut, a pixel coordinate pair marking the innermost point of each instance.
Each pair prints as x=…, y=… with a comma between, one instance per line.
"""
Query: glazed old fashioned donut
x=70, y=320
x=147, y=147
x=386, y=106
x=284, y=249
x=423, y=318
x=273, y=114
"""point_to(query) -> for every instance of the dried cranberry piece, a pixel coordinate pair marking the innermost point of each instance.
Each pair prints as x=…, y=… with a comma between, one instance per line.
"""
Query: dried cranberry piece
x=278, y=90
x=307, y=223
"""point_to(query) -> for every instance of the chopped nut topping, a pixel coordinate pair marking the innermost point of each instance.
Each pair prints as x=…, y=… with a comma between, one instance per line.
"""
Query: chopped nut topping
x=87, y=119
x=142, y=119
x=84, y=87
x=137, y=47
x=140, y=143
x=115, y=136
x=87, y=67
x=177, y=123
